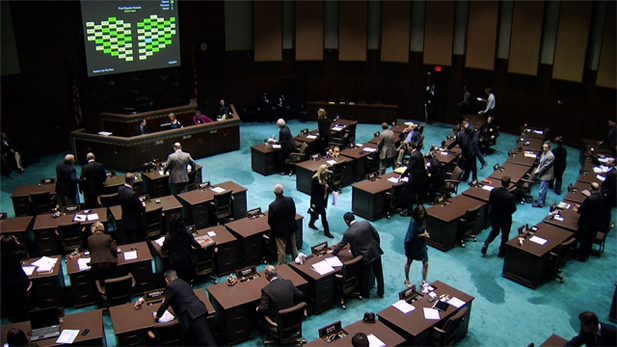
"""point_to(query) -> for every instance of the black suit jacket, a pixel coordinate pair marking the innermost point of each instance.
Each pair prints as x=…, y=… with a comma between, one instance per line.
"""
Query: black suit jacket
x=608, y=337
x=95, y=178
x=437, y=171
x=132, y=209
x=319, y=198
x=325, y=134
x=363, y=240
x=180, y=250
x=102, y=249
x=288, y=144
x=609, y=186
x=415, y=169
x=282, y=217
x=184, y=302
x=465, y=142
x=138, y=131
x=66, y=180
x=278, y=295
x=503, y=205
x=591, y=211
x=560, y=154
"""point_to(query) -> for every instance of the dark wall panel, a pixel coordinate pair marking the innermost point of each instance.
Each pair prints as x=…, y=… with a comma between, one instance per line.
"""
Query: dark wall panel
x=482, y=34
x=309, y=30
x=438, y=33
x=268, y=30
x=572, y=34
x=353, y=29
x=606, y=69
x=395, y=31
x=526, y=37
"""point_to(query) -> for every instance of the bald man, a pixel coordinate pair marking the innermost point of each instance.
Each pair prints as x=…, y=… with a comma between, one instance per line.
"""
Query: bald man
x=178, y=173
x=66, y=182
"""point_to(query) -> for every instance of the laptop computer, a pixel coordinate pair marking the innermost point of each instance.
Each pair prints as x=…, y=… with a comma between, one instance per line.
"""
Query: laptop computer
x=45, y=323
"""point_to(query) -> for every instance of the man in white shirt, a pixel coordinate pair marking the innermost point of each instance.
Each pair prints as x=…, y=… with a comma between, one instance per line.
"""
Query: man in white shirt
x=490, y=103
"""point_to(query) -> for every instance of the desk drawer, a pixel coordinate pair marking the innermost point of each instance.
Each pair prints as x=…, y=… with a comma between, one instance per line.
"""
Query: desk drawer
x=22, y=207
x=48, y=292
x=133, y=338
x=200, y=215
x=83, y=289
x=226, y=259
x=238, y=324
x=142, y=272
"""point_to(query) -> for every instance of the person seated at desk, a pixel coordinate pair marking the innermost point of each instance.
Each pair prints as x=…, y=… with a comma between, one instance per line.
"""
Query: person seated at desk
x=278, y=295
x=487, y=133
x=103, y=255
x=141, y=128
x=288, y=145
x=175, y=124
x=179, y=245
x=16, y=337
x=436, y=175
x=593, y=333
x=409, y=135
x=201, y=118
x=223, y=110
x=11, y=159
x=15, y=283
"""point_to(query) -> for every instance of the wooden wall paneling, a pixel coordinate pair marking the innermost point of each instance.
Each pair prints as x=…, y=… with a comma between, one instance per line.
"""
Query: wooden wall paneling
x=268, y=31
x=572, y=35
x=438, y=33
x=606, y=67
x=309, y=30
x=482, y=34
x=526, y=37
x=353, y=28
x=395, y=31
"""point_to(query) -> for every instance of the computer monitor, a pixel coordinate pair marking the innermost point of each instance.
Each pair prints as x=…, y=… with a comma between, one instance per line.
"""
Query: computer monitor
x=165, y=126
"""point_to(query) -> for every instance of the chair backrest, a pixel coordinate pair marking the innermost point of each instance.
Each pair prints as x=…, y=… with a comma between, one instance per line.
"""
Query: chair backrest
x=562, y=251
x=168, y=334
x=108, y=200
x=41, y=202
x=119, y=290
x=204, y=261
x=153, y=222
x=337, y=173
x=70, y=234
x=222, y=204
x=469, y=219
x=290, y=323
x=457, y=173
x=451, y=327
x=396, y=194
x=350, y=273
x=303, y=147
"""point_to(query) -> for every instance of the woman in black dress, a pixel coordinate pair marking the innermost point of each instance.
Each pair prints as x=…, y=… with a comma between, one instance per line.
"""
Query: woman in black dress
x=180, y=245
x=319, y=199
x=15, y=283
x=415, y=246
x=325, y=134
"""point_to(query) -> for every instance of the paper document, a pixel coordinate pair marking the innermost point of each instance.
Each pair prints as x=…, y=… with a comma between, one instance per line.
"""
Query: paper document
x=337, y=128
x=600, y=178
x=334, y=261
x=67, y=336
x=431, y=313
x=45, y=264
x=104, y=133
x=456, y=302
x=160, y=241
x=276, y=146
x=403, y=306
x=487, y=187
x=564, y=205
x=29, y=270
x=93, y=216
x=218, y=190
x=369, y=149
x=538, y=132
x=167, y=317
x=311, y=136
x=331, y=161
x=373, y=341
x=130, y=255
x=322, y=267
x=538, y=240
x=80, y=218
x=530, y=154
x=211, y=233
x=559, y=218
x=393, y=179
x=82, y=264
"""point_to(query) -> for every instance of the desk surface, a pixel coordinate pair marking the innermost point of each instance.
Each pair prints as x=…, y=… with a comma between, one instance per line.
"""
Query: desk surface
x=199, y=196
x=143, y=254
x=380, y=330
x=222, y=236
x=156, y=174
x=308, y=270
x=47, y=221
x=447, y=156
x=264, y=148
x=519, y=158
x=359, y=152
x=168, y=203
x=55, y=271
x=92, y=320
x=15, y=224
x=311, y=165
x=576, y=194
x=554, y=341
x=589, y=176
x=570, y=219
x=24, y=191
x=553, y=234
x=247, y=227
x=516, y=172
x=457, y=207
x=535, y=144
x=118, y=180
x=483, y=194
x=593, y=145
x=377, y=186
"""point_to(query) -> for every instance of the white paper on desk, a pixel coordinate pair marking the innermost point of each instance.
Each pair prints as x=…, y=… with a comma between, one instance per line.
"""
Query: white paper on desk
x=404, y=179
x=487, y=187
x=130, y=255
x=403, y=306
x=311, y=136
x=373, y=341
x=538, y=132
x=211, y=233
x=93, y=216
x=337, y=128
x=47, y=267
x=393, y=179
x=28, y=270
x=564, y=205
x=600, y=178
x=167, y=317
x=276, y=146
x=67, y=336
x=456, y=302
x=44, y=261
x=603, y=160
x=322, y=267
x=334, y=261
x=559, y=218
x=82, y=264
x=538, y=240
x=80, y=218
x=160, y=241
x=218, y=190
x=444, y=153
x=530, y=154
x=331, y=161
x=431, y=313
x=369, y=149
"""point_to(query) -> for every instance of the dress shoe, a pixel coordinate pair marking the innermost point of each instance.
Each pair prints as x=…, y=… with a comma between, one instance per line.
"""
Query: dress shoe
x=329, y=235
x=483, y=250
x=536, y=205
x=380, y=295
x=483, y=165
x=312, y=226
x=501, y=255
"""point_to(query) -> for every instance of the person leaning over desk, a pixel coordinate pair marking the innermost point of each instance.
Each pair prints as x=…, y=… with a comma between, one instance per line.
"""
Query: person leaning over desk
x=103, y=255
x=594, y=333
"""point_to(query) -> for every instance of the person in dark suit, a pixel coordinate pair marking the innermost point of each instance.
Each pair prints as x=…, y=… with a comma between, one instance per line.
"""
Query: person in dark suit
x=103, y=255
x=176, y=165
x=465, y=103
x=282, y=222
x=363, y=240
x=325, y=134
x=561, y=154
x=14, y=283
x=429, y=103
x=436, y=175
x=288, y=145
x=415, y=186
x=93, y=176
x=609, y=187
x=179, y=245
x=190, y=311
x=590, y=221
x=387, y=151
x=503, y=205
x=66, y=182
x=465, y=141
x=132, y=210
x=611, y=139
x=594, y=333
x=141, y=128
x=278, y=295
x=319, y=199
x=223, y=110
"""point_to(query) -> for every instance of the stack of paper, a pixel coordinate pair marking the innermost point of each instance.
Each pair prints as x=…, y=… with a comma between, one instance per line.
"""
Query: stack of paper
x=530, y=154
x=456, y=302
x=538, y=240
x=130, y=255
x=564, y=205
x=322, y=267
x=28, y=270
x=431, y=313
x=334, y=261
x=487, y=187
x=167, y=317
x=160, y=241
x=369, y=149
x=337, y=128
x=373, y=341
x=311, y=136
x=67, y=336
x=83, y=264
x=45, y=264
x=218, y=190
x=403, y=306
x=393, y=179
x=331, y=161
x=93, y=216
x=276, y=146
x=211, y=233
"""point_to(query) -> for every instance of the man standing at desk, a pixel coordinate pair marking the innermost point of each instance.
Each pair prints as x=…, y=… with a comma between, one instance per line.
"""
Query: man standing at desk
x=590, y=221
x=363, y=240
x=66, y=182
x=415, y=187
x=132, y=209
x=593, y=333
x=387, y=151
x=465, y=141
x=282, y=221
x=545, y=171
x=503, y=205
x=611, y=138
x=288, y=145
x=94, y=175
x=191, y=312
x=176, y=165
x=278, y=295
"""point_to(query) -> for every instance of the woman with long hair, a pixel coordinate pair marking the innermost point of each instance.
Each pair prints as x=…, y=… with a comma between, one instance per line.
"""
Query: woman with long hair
x=319, y=199
x=415, y=245
x=179, y=245
x=325, y=134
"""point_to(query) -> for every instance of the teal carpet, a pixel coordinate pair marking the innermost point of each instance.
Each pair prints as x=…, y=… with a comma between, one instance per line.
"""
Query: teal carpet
x=504, y=312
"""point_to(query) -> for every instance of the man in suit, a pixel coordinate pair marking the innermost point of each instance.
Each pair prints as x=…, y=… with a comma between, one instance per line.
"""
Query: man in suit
x=609, y=186
x=436, y=174
x=178, y=173
x=465, y=141
x=94, y=177
x=141, y=128
x=278, y=295
x=611, y=139
x=429, y=103
x=288, y=145
x=503, y=205
x=546, y=173
x=409, y=135
x=223, y=110
x=465, y=103
x=190, y=311
x=132, y=210
x=66, y=182
x=561, y=154
x=415, y=186
x=387, y=151
x=363, y=240
x=282, y=222
x=590, y=221
x=593, y=333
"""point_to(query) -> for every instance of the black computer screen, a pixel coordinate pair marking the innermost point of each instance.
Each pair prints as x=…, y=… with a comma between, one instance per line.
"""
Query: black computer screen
x=124, y=36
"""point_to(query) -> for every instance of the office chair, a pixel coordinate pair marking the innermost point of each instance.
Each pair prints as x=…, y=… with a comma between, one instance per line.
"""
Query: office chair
x=393, y=198
x=204, y=262
x=222, y=206
x=153, y=221
x=347, y=282
x=117, y=290
x=41, y=202
x=559, y=257
x=297, y=157
x=524, y=187
x=466, y=226
x=288, y=327
x=450, y=184
x=448, y=334
x=341, y=142
x=372, y=162
x=70, y=236
x=351, y=131
x=109, y=200
x=601, y=239
x=168, y=334
x=336, y=177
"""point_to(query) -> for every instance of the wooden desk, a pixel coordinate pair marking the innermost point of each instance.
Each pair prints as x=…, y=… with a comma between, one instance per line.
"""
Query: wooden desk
x=414, y=327
x=515, y=171
x=368, y=197
x=131, y=326
x=535, y=144
x=311, y=140
x=519, y=158
x=442, y=220
x=250, y=234
x=45, y=226
x=225, y=260
x=448, y=157
x=554, y=341
x=20, y=227
x=484, y=195
x=306, y=169
x=235, y=305
x=576, y=194
x=527, y=264
x=196, y=203
x=338, y=127
x=47, y=287
x=81, y=321
x=593, y=146
x=363, y=113
x=570, y=218
x=590, y=177
x=170, y=205
x=21, y=197
x=320, y=288
x=359, y=159
x=380, y=330
x=264, y=159
x=112, y=183
x=157, y=184
x=534, y=133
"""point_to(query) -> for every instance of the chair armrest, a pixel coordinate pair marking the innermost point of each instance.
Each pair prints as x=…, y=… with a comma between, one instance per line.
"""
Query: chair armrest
x=448, y=180
x=270, y=322
x=441, y=331
x=99, y=288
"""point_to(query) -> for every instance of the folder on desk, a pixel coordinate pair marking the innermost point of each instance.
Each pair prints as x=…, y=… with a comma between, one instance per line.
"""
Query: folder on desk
x=334, y=261
x=403, y=306
x=322, y=267
x=80, y=218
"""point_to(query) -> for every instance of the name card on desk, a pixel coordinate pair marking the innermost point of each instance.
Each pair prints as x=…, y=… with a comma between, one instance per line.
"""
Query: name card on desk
x=131, y=255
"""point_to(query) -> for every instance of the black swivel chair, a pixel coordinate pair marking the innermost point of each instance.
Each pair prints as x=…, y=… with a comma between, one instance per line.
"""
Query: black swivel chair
x=70, y=236
x=466, y=225
x=524, y=187
x=204, y=263
x=336, y=177
x=448, y=334
x=393, y=198
x=450, y=184
x=347, y=282
x=109, y=200
x=168, y=334
x=288, y=327
x=117, y=290
x=559, y=257
x=222, y=205
x=153, y=221
x=601, y=239
x=41, y=202
x=297, y=157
